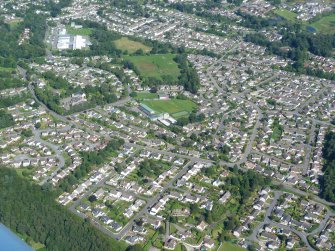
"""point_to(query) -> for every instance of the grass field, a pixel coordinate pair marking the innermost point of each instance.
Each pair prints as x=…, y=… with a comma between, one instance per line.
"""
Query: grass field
x=131, y=46
x=226, y=246
x=156, y=66
x=146, y=95
x=175, y=107
x=288, y=15
x=3, y=69
x=14, y=23
x=325, y=24
x=81, y=31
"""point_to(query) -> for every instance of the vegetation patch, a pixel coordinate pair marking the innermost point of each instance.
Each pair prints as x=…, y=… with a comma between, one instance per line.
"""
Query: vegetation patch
x=325, y=25
x=327, y=182
x=80, y=31
x=9, y=70
x=125, y=44
x=227, y=246
x=159, y=66
x=33, y=211
x=277, y=130
x=144, y=95
x=288, y=15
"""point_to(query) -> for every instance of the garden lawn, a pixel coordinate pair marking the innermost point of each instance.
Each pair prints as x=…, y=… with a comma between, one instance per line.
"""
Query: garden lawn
x=227, y=246
x=125, y=44
x=156, y=66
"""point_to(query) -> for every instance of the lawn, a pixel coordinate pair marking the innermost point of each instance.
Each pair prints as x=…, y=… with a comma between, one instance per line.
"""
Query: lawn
x=156, y=66
x=14, y=23
x=175, y=107
x=145, y=95
x=125, y=44
x=227, y=246
x=288, y=15
x=325, y=24
x=81, y=31
x=9, y=70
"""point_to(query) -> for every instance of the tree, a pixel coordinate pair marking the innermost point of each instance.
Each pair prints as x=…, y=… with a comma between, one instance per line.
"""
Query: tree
x=33, y=211
x=136, y=247
x=92, y=198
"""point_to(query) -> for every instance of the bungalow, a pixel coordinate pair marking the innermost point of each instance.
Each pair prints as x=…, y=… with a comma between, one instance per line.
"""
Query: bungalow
x=208, y=243
x=115, y=226
x=106, y=220
x=134, y=239
x=224, y=198
x=97, y=212
x=139, y=229
x=202, y=226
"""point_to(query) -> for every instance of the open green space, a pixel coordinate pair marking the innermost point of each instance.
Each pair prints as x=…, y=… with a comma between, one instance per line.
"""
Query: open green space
x=156, y=66
x=277, y=130
x=125, y=44
x=174, y=107
x=145, y=95
x=325, y=25
x=14, y=23
x=81, y=31
x=33, y=211
x=9, y=70
x=288, y=15
x=227, y=246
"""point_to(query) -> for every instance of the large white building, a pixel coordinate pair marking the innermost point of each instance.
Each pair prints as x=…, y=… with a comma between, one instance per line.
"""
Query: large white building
x=74, y=42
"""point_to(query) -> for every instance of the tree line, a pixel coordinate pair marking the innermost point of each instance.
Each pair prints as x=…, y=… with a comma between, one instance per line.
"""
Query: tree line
x=32, y=211
x=327, y=180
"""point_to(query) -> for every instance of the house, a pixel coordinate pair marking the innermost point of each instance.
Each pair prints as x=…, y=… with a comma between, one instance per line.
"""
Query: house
x=274, y=245
x=202, y=226
x=238, y=231
x=224, y=198
x=84, y=207
x=208, y=243
x=170, y=244
x=98, y=194
x=97, y=212
x=128, y=213
x=290, y=243
x=269, y=236
x=106, y=220
x=115, y=226
x=134, y=239
x=139, y=229
x=127, y=197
